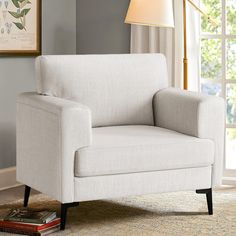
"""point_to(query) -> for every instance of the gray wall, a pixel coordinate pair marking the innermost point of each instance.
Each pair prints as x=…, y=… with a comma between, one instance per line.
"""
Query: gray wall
x=101, y=28
x=17, y=74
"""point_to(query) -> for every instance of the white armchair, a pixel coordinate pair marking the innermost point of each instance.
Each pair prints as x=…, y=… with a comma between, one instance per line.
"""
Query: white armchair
x=105, y=126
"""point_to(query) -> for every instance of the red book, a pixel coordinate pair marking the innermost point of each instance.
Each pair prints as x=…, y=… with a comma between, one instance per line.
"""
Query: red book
x=28, y=226
x=44, y=232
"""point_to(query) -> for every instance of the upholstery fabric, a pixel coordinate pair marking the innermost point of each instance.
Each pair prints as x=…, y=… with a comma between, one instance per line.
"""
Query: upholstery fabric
x=117, y=88
x=58, y=135
x=122, y=185
x=130, y=149
x=49, y=131
x=196, y=115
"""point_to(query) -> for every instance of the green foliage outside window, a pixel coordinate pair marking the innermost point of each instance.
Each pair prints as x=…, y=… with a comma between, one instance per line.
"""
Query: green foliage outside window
x=231, y=19
x=211, y=59
x=211, y=55
x=213, y=8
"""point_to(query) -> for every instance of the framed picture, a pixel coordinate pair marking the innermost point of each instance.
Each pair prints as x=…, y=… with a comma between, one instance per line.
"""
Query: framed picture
x=20, y=27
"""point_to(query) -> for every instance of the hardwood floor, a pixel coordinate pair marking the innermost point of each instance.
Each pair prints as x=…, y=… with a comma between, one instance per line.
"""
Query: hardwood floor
x=13, y=194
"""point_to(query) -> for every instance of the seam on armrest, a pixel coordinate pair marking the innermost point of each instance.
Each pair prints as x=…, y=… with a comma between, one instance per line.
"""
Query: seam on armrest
x=51, y=104
x=55, y=113
x=38, y=108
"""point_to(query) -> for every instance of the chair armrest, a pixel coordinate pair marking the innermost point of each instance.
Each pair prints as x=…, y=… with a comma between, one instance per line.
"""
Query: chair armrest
x=196, y=115
x=49, y=131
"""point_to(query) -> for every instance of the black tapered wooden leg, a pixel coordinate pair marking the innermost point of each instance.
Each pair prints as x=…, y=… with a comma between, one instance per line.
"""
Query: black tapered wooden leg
x=209, y=202
x=208, y=193
x=63, y=215
x=64, y=207
x=27, y=194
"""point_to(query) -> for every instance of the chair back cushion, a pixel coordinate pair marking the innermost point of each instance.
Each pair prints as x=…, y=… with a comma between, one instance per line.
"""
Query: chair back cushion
x=118, y=89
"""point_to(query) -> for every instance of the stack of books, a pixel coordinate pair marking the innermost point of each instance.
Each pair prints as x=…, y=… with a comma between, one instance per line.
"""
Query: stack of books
x=30, y=222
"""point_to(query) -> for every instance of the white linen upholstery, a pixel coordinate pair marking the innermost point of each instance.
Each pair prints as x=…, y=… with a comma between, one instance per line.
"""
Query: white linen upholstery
x=49, y=131
x=196, y=115
x=56, y=141
x=130, y=149
x=123, y=185
x=117, y=88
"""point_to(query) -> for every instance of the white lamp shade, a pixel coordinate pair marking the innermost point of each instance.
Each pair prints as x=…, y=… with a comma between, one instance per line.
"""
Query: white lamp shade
x=151, y=12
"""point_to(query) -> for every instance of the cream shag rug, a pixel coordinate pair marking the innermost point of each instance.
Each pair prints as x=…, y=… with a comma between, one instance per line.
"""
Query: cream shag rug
x=177, y=214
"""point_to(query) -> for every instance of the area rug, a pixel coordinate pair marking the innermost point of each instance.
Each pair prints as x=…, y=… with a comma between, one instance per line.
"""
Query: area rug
x=171, y=214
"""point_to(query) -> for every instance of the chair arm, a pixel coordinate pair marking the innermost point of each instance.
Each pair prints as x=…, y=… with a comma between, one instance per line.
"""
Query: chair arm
x=49, y=131
x=196, y=115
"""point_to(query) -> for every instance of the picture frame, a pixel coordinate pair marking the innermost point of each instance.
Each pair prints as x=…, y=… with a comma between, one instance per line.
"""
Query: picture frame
x=20, y=27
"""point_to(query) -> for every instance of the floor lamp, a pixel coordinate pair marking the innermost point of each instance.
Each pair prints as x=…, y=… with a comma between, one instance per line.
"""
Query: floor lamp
x=159, y=13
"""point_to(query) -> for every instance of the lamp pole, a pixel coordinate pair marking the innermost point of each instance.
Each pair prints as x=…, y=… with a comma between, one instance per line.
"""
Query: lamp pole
x=185, y=61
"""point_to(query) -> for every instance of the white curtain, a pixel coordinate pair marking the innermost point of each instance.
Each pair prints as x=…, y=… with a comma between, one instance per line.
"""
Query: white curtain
x=170, y=42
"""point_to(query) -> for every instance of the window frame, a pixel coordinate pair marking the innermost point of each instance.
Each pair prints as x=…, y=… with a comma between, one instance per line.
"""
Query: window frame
x=229, y=174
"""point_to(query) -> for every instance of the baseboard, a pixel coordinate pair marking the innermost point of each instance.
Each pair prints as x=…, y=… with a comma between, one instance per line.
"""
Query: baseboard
x=8, y=178
x=229, y=181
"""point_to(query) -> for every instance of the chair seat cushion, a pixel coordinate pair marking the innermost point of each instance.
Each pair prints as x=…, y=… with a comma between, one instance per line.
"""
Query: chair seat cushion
x=130, y=149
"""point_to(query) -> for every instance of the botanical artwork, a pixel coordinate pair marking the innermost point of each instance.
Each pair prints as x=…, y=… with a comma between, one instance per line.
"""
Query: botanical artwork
x=22, y=9
x=19, y=27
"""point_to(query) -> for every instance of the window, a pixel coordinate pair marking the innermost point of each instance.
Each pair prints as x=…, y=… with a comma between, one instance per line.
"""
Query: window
x=218, y=67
